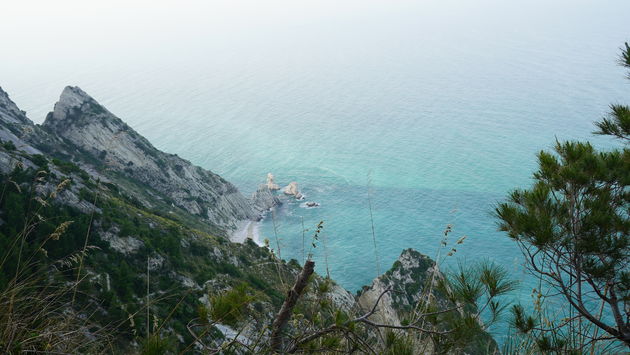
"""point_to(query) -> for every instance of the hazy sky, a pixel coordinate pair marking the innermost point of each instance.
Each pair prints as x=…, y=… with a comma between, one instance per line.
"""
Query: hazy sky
x=38, y=31
x=48, y=44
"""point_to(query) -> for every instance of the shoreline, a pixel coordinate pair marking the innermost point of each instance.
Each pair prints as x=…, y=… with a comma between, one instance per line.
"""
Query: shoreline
x=247, y=229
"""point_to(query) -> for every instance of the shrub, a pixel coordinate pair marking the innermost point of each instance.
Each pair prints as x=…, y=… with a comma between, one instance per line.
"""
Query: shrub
x=229, y=308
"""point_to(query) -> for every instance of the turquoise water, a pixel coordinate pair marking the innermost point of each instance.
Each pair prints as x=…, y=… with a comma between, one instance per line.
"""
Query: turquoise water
x=443, y=105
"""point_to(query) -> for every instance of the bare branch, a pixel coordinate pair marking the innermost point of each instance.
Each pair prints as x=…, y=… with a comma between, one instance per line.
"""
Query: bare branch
x=289, y=303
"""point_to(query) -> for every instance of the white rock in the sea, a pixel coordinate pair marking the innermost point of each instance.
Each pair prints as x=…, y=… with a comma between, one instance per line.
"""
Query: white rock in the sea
x=292, y=190
x=271, y=185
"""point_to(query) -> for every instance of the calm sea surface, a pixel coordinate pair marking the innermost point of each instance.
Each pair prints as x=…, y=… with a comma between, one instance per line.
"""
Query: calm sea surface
x=437, y=110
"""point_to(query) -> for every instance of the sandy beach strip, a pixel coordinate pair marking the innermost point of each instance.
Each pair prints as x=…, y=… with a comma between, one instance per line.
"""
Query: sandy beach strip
x=246, y=229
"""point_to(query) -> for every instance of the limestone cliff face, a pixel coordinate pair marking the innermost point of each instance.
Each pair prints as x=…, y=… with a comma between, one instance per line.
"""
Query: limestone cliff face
x=407, y=278
x=94, y=131
x=14, y=124
x=264, y=199
x=83, y=151
x=10, y=113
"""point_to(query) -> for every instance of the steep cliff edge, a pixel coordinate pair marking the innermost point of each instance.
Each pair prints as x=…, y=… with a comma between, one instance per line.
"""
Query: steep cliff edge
x=415, y=277
x=14, y=124
x=100, y=137
x=10, y=113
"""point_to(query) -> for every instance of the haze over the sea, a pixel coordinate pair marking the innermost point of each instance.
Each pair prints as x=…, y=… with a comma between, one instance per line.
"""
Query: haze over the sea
x=443, y=103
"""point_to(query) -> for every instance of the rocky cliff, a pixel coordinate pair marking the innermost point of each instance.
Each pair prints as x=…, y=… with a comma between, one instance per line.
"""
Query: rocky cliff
x=14, y=124
x=94, y=131
x=81, y=130
x=10, y=113
x=414, y=281
x=54, y=173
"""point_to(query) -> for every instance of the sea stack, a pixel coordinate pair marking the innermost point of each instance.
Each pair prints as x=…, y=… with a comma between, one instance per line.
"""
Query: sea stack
x=271, y=185
x=292, y=190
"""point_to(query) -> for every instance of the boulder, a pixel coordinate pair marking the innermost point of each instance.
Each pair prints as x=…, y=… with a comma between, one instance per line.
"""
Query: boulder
x=292, y=190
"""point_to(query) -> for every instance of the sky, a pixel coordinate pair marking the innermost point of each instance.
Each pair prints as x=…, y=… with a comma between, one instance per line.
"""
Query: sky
x=47, y=44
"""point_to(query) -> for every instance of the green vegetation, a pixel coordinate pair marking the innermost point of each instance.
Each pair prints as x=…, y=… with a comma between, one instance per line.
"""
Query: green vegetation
x=572, y=227
x=112, y=288
x=8, y=145
x=230, y=306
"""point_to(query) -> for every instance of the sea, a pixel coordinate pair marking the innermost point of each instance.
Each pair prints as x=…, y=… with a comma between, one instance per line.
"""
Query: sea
x=398, y=118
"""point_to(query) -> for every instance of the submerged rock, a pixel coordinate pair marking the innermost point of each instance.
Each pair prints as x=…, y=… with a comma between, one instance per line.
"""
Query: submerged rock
x=311, y=204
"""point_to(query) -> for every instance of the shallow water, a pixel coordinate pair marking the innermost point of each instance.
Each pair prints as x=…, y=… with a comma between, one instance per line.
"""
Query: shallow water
x=442, y=107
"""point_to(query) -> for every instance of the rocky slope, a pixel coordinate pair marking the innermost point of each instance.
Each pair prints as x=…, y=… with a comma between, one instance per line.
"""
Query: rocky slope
x=96, y=132
x=9, y=111
x=82, y=131
x=116, y=185
x=412, y=278
x=15, y=124
x=407, y=279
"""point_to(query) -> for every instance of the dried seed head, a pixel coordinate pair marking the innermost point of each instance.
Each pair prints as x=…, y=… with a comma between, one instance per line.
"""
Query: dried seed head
x=62, y=185
x=60, y=230
x=17, y=187
x=41, y=202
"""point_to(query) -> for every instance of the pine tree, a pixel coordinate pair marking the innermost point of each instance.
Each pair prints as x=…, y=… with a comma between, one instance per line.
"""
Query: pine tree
x=572, y=226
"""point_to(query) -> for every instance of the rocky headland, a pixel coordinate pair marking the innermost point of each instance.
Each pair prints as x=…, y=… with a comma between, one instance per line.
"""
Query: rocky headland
x=151, y=210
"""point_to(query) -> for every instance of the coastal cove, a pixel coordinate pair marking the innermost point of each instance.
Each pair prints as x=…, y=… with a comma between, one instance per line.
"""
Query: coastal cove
x=346, y=250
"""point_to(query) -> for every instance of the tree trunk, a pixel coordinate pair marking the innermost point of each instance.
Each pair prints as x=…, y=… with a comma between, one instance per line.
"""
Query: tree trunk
x=289, y=303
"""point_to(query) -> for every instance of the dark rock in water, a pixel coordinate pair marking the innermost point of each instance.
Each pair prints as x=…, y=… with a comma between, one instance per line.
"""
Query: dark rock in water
x=312, y=204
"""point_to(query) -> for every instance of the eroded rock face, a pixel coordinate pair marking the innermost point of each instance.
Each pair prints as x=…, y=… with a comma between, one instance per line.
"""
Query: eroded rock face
x=271, y=185
x=14, y=125
x=95, y=131
x=9, y=112
x=406, y=278
x=292, y=190
x=264, y=199
x=123, y=245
